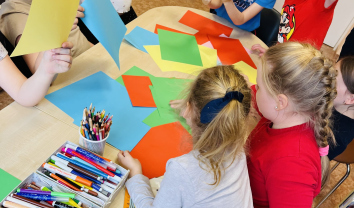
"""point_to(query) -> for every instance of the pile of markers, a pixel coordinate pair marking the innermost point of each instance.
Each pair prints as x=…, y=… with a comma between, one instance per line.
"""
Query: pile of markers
x=95, y=126
x=82, y=171
x=33, y=196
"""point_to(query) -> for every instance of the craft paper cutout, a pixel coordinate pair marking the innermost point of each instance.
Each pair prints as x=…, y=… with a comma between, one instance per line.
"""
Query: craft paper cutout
x=154, y=119
x=139, y=91
x=209, y=45
x=105, y=93
x=208, y=55
x=8, y=183
x=247, y=70
x=47, y=27
x=179, y=48
x=135, y=71
x=139, y=37
x=105, y=24
x=230, y=51
x=159, y=145
x=168, y=29
x=204, y=25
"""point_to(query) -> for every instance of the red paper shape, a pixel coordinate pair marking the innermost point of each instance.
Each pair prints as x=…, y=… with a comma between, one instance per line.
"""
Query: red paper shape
x=159, y=145
x=168, y=29
x=204, y=25
x=230, y=51
x=139, y=91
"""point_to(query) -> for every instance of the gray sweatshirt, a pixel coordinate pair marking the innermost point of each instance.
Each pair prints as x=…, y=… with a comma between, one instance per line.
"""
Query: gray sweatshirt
x=186, y=184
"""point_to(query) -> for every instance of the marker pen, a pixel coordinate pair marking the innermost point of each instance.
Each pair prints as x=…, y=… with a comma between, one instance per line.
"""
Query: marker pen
x=75, y=167
x=71, y=151
x=61, y=181
x=20, y=202
x=90, y=190
x=43, y=197
x=57, y=204
x=59, y=171
x=30, y=201
x=94, y=170
x=10, y=204
x=94, y=157
x=58, y=194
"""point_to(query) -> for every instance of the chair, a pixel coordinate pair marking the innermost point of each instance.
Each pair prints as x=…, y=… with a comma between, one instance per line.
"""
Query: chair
x=18, y=60
x=347, y=157
x=269, y=26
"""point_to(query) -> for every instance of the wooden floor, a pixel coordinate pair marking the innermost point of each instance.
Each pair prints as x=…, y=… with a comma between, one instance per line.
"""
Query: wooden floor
x=340, y=194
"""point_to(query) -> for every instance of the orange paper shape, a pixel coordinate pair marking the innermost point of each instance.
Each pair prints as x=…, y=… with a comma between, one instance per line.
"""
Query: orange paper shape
x=230, y=51
x=159, y=145
x=168, y=29
x=139, y=91
x=204, y=25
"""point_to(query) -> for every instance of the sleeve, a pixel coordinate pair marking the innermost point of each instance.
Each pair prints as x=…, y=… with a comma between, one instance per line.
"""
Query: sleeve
x=173, y=186
x=3, y=52
x=292, y=182
x=269, y=4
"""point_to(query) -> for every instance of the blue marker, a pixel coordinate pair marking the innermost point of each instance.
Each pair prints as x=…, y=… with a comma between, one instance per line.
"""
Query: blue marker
x=43, y=197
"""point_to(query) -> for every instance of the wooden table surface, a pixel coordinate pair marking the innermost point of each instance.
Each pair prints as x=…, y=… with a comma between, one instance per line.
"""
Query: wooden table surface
x=29, y=135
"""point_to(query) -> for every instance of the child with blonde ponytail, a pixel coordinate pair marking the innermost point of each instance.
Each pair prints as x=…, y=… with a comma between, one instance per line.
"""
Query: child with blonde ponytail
x=288, y=160
x=214, y=173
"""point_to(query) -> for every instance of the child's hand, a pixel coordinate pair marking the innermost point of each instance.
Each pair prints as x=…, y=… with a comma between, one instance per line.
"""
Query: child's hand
x=127, y=161
x=258, y=48
x=57, y=60
x=79, y=14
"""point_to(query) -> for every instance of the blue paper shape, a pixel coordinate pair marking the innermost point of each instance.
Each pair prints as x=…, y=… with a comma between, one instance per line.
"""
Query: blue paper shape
x=105, y=93
x=105, y=24
x=139, y=37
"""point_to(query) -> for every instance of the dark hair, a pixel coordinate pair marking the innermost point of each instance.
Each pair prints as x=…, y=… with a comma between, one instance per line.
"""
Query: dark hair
x=347, y=69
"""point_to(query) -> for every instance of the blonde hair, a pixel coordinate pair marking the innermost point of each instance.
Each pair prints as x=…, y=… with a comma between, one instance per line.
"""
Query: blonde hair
x=224, y=137
x=308, y=79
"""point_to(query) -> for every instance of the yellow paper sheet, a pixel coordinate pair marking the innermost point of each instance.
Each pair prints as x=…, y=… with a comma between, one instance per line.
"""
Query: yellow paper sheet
x=208, y=55
x=247, y=70
x=48, y=26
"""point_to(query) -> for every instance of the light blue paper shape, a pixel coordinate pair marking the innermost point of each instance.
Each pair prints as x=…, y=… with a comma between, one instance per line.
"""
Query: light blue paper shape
x=139, y=37
x=105, y=93
x=105, y=24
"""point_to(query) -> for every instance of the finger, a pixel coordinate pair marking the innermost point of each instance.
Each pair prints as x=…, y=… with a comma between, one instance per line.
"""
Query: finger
x=172, y=101
x=66, y=58
x=67, y=44
x=127, y=154
x=73, y=27
x=61, y=51
x=62, y=66
x=79, y=14
x=76, y=21
x=81, y=9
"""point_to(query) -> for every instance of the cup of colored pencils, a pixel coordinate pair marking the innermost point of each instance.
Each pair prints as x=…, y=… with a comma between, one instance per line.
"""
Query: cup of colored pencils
x=94, y=129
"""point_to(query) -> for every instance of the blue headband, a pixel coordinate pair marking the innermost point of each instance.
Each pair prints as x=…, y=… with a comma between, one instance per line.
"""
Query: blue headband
x=212, y=108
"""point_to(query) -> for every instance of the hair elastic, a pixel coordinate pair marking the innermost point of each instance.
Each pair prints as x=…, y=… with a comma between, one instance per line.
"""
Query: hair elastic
x=323, y=150
x=211, y=109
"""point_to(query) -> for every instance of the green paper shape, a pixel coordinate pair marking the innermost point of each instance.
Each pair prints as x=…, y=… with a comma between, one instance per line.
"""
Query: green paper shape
x=154, y=119
x=135, y=71
x=179, y=47
x=8, y=183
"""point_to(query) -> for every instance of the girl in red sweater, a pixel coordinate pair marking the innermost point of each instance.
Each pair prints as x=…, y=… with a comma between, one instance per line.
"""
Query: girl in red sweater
x=288, y=147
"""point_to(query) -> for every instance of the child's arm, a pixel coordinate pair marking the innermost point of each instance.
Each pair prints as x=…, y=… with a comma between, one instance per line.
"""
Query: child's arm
x=29, y=92
x=173, y=192
x=292, y=182
x=237, y=17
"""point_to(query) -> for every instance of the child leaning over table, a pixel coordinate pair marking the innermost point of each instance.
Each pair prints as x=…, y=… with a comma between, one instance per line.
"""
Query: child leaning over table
x=214, y=173
x=244, y=14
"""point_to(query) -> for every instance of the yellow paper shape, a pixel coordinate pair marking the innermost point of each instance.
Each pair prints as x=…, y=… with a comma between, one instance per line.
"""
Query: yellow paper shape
x=48, y=26
x=208, y=55
x=247, y=70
